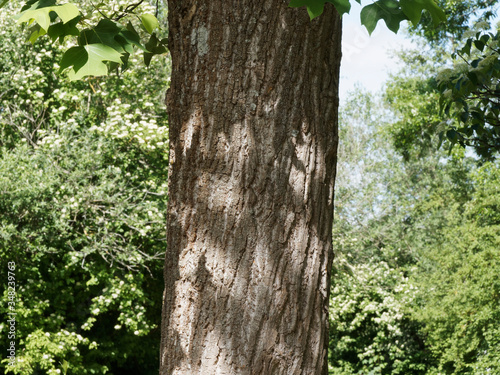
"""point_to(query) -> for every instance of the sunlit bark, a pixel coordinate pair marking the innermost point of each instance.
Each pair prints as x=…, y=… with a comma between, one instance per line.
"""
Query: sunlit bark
x=253, y=138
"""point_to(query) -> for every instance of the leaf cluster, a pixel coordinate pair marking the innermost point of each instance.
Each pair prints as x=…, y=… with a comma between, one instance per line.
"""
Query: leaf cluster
x=471, y=95
x=392, y=12
x=111, y=41
x=103, y=43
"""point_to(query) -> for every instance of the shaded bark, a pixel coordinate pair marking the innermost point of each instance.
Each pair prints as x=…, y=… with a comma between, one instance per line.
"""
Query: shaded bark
x=253, y=138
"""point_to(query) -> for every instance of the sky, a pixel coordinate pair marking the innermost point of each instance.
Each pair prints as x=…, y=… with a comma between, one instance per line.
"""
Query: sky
x=366, y=60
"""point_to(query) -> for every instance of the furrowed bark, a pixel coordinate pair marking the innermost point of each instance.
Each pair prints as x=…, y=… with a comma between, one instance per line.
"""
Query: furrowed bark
x=253, y=138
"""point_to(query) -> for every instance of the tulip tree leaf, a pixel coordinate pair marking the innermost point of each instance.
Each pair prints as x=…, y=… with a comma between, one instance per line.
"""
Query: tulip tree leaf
x=66, y=12
x=149, y=22
x=387, y=10
x=391, y=11
x=89, y=60
x=413, y=10
x=61, y=30
x=111, y=34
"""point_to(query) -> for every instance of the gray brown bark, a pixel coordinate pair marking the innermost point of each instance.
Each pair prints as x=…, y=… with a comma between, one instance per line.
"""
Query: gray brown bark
x=253, y=138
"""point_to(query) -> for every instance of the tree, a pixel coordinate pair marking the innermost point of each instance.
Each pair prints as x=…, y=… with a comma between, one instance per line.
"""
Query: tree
x=463, y=58
x=458, y=305
x=415, y=286
x=253, y=113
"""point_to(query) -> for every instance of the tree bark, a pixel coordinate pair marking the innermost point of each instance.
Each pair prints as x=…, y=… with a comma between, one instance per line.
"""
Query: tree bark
x=253, y=137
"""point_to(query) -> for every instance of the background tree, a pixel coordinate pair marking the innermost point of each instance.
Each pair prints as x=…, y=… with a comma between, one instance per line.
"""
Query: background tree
x=465, y=63
x=417, y=241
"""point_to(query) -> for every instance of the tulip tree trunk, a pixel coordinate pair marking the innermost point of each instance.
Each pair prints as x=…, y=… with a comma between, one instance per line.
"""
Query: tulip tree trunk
x=253, y=136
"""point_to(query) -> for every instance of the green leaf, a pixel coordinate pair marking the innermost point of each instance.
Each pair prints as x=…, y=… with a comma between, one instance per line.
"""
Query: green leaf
x=147, y=58
x=149, y=22
x=466, y=49
x=36, y=32
x=436, y=12
x=451, y=135
x=61, y=30
x=104, y=32
x=35, y=4
x=66, y=12
x=155, y=46
x=75, y=56
x=387, y=10
x=413, y=9
x=40, y=16
x=65, y=366
x=315, y=7
x=89, y=60
x=342, y=6
x=152, y=43
x=3, y=3
x=479, y=45
x=130, y=38
x=111, y=34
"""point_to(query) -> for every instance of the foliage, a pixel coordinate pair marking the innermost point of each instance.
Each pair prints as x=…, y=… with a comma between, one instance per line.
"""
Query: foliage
x=471, y=95
x=416, y=286
x=106, y=33
x=391, y=11
x=372, y=330
x=83, y=199
x=413, y=98
x=436, y=103
x=460, y=14
x=87, y=239
x=109, y=39
x=465, y=78
x=372, y=333
x=416, y=278
x=459, y=304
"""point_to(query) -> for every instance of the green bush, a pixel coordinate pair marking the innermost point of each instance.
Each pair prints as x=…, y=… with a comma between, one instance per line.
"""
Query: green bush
x=83, y=184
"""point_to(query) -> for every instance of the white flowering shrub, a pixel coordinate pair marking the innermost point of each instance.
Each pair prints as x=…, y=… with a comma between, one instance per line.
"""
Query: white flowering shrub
x=370, y=328
x=137, y=126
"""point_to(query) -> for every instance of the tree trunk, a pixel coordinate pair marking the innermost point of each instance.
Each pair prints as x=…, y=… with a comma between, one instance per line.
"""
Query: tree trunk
x=253, y=138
